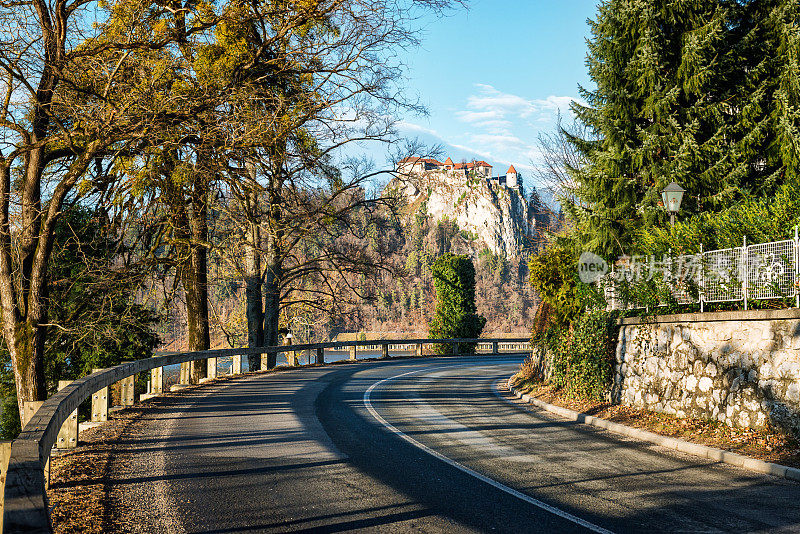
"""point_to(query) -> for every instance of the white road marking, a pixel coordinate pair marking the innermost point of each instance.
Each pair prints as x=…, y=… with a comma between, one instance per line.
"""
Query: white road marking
x=483, y=478
x=465, y=435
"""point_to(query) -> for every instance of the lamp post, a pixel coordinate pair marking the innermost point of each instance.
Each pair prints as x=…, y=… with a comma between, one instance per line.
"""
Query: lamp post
x=672, y=195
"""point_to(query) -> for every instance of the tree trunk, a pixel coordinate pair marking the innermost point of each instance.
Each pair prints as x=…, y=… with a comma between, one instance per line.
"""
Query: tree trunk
x=272, y=302
x=27, y=357
x=23, y=282
x=253, y=280
x=195, y=279
x=190, y=224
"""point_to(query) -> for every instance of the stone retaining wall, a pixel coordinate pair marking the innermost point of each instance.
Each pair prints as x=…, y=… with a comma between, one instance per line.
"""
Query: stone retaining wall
x=741, y=368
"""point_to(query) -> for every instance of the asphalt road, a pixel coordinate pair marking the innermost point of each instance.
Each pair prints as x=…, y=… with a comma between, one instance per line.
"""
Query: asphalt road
x=414, y=445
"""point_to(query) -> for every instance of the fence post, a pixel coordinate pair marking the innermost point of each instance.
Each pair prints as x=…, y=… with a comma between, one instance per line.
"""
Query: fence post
x=744, y=271
x=455, y=348
x=702, y=281
x=236, y=365
x=100, y=402
x=385, y=350
x=68, y=435
x=320, y=356
x=419, y=349
x=495, y=347
x=353, y=352
x=796, y=268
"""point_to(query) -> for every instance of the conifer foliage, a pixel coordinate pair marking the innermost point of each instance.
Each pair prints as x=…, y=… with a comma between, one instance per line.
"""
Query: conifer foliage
x=455, y=317
x=703, y=93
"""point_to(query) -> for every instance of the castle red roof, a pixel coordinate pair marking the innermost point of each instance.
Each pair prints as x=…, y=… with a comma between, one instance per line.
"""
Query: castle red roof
x=512, y=170
x=420, y=160
x=472, y=164
x=449, y=161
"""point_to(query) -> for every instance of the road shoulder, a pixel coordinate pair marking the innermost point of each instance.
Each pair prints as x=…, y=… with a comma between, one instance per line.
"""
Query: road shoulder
x=668, y=442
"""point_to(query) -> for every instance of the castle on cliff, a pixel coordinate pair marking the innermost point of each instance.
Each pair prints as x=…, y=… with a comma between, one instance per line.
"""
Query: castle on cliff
x=414, y=165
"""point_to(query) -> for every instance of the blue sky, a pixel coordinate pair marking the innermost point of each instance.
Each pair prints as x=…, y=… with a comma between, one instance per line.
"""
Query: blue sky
x=495, y=75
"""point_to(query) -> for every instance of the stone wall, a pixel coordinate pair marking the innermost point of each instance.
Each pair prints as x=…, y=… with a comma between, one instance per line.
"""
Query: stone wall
x=741, y=368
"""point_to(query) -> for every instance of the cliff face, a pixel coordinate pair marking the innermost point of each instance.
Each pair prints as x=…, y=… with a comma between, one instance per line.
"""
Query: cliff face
x=500, y=217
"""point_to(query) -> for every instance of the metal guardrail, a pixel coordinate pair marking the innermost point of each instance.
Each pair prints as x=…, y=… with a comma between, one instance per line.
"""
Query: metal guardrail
x=25, y=508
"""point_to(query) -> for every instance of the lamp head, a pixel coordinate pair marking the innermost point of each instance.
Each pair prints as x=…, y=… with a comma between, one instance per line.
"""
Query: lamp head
x=672, y=195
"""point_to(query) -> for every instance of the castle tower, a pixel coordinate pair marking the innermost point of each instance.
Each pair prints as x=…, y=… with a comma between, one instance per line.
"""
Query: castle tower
x=512, y=178
x=449, y=165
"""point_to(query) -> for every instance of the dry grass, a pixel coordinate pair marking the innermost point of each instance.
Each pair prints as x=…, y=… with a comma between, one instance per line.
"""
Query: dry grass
x=770, y=445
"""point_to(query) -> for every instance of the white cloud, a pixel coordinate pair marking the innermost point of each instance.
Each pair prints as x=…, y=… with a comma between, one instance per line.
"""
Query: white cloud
x=478, y=116
x=495, y=109
x=555, y=103
x=410, y=126
x=500, y=141
x=501, y=128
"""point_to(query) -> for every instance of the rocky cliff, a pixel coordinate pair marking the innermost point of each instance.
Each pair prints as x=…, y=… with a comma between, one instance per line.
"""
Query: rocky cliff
x=500, y=217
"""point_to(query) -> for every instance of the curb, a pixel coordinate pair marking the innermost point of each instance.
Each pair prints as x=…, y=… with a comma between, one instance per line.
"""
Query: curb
x=711, y=453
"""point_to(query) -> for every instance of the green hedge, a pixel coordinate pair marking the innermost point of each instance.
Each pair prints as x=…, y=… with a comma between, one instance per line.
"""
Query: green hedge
x=582, y=356
x=455, y=316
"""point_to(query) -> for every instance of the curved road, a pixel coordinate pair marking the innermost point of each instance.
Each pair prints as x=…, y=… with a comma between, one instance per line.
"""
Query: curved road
x=427, y=445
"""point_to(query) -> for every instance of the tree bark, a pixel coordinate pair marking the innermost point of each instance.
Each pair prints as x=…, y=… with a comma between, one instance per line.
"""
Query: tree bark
x=272, y=301
x=195, y=279
x=190, y=227
x=253, y=281
x=274, y=258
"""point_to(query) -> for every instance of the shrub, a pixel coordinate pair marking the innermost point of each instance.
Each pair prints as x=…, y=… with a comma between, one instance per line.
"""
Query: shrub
x=553, y=274
x=590, y=355
x=581, y=356
x=455, y=316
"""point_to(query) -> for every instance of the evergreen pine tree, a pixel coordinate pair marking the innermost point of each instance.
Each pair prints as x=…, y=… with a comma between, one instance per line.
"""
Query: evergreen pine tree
x=703, y=93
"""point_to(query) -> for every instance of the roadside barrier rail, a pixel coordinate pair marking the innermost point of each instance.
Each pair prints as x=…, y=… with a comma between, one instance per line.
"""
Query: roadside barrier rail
x=751, y=272
x=24, y=504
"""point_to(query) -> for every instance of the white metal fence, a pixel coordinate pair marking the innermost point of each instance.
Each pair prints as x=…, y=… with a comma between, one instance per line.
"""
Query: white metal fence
x=750, y=272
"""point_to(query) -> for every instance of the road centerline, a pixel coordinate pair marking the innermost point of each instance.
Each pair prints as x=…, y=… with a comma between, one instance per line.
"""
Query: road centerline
x=367, y=401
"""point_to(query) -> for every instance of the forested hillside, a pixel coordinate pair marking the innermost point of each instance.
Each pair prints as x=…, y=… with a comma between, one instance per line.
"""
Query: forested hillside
x=398, y=298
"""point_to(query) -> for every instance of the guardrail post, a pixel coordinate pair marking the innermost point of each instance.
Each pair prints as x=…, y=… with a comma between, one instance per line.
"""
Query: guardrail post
x=211, y=368
x=100, y=402
x=495, y=347
x=157, y=381
x=418, y=350
x=320, y=356
x=185, y=377
x=68, y=435
x=236, y=365
x=5, y=456
x=455, y=348
x=385, y=350
x=265, y=361
x=126, y=391
x=353, y=352
x=29, y=409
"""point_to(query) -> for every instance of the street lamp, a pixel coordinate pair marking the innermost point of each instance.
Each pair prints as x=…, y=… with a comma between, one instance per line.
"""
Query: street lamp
x=672, y=195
